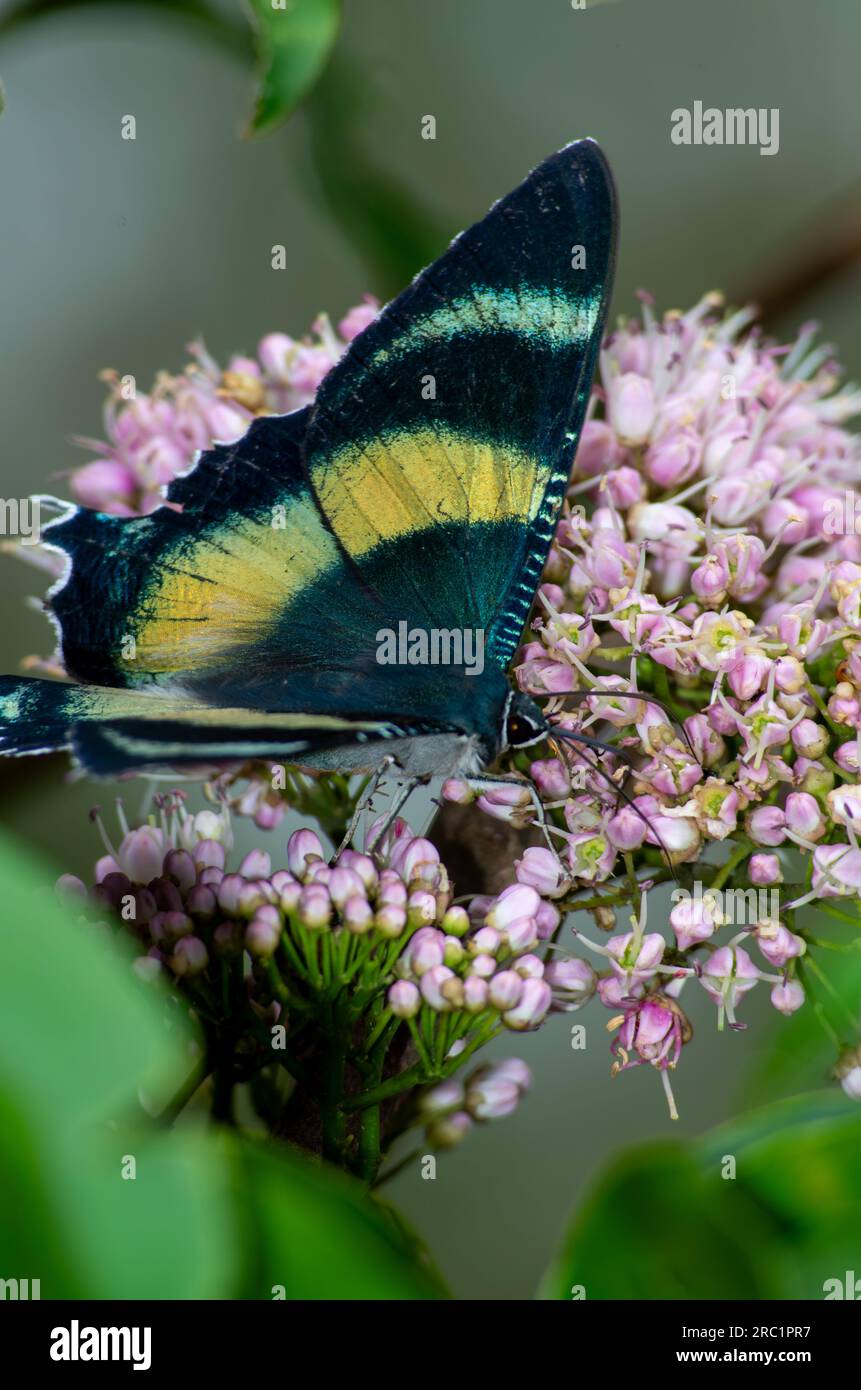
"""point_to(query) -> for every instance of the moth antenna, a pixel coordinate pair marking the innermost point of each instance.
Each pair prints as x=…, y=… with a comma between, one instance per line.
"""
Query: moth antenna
x=581, y=695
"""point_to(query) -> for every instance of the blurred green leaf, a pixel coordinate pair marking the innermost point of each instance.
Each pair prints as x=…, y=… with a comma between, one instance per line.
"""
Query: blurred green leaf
x=195, y=14
x=206, y=1214
x=799, y=1054
x=664, y=1223
x=316, y=1234
x=654, y=1228
x=395, y=235
x=80, y=1036
x=294, y=40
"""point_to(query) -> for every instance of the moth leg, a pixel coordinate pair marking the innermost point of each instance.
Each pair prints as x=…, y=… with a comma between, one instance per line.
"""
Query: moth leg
x=364, y=802
x=404, y=794
x=488, y=780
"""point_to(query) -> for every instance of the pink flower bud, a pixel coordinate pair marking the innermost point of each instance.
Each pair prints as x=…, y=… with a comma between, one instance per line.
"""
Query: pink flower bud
x=179, y=866
x=521, y=935
x=631, y=407
x=357, y=319
x=764, y=870
x=491, y=1097
x=483, y=966
x=530, y=967
x=750, y=674
x=344, y=883
x=450, y=1130
x=141, y=854
x=460, y=792
x=533, y=1007
x=262, y=936
x=105, y=485
x=256, y=864
x=505, y=989
x=809, y=738
x=626, y=830
x=475, y=994
x=432, y=985
x=390, y=920
x=572, y=981
x=551, y=779
x=421, y=909
x=625, y=486
x=416, y=860
x=707, y=744
x=190, y=956
x=456, y=921
x=709, y=580
x=540, y=869
x=804, y=817
x=598, y=450
x=789, y=675
x=508, y=802
x=547, y=919
x=361, y=864
x=358, y=916
x=674, y=458
x=440, y=1099
x=404, y=999
x=787, y=998
x=766, y=825
x=694, y=919
x=848, y=1073
x=517, y=901
x=514, y=1070
x=777, y=943
x=303, y=848
x=314, y=908
x=426, y=954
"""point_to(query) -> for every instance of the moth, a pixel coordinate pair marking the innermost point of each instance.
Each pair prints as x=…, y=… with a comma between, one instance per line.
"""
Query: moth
x=241, y=621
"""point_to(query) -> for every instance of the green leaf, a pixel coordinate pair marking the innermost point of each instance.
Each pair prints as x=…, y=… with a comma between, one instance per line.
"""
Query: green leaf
x=294, y=40
x=654, y=1228
x=668, y=1221
x=98, y=1204
x=80, y=1037
x=799, y=1054
x=315, y=1233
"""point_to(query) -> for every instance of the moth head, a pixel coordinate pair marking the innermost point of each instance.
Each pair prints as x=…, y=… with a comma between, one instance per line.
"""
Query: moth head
x=522, y=723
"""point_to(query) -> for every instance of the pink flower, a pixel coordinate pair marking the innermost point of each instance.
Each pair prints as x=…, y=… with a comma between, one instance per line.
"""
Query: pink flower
x=727, y=976
x=542, y=871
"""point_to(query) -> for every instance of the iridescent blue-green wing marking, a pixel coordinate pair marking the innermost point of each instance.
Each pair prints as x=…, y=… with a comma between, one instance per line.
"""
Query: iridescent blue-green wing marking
x=440, y=446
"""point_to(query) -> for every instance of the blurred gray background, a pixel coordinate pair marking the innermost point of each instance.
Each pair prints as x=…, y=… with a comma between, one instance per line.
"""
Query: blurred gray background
x=116, y=254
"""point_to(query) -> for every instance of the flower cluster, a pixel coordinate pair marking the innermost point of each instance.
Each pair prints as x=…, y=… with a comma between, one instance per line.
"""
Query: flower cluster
x=701, y=612
x=711, y=574
x=151, y=437
x=367, y=947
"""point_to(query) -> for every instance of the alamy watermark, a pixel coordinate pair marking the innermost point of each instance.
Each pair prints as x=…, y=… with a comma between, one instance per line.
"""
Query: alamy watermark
x=736, y=125
x=433, y=646
x=734, y=907
x=841, y=515
x=21, y=518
